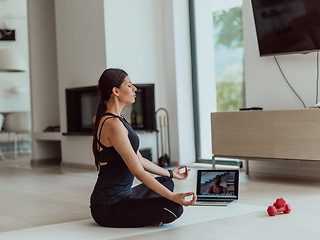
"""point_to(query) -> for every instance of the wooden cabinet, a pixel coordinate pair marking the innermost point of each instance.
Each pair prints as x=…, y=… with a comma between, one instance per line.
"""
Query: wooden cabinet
x=288, y=134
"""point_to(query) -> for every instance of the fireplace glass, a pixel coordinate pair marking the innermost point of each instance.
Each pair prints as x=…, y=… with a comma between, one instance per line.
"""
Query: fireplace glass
x=82, y=103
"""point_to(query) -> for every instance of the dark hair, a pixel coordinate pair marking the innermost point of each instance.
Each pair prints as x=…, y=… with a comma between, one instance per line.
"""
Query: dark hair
x=110, y=78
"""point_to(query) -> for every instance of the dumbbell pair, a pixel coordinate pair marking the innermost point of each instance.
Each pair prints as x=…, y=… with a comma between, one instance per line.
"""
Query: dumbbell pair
x=279, y=206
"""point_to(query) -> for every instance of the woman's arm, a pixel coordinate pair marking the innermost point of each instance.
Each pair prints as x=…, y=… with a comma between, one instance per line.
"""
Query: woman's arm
x=118, y=136
x=154, y=168
x=151, y=167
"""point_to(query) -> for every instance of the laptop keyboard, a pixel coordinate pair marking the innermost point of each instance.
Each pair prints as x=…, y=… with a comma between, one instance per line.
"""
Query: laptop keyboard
x=214, y=200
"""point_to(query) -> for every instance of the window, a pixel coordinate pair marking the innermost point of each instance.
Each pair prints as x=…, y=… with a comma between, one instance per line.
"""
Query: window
x=217, y=55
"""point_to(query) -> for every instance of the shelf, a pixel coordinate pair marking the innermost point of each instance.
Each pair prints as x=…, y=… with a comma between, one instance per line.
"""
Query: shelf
x=145, y=130
x=77, y=133
x=90, y=133
x=47, y=136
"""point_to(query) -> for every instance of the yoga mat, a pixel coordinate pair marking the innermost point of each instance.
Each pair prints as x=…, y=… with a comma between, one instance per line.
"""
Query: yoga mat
x=87, y=229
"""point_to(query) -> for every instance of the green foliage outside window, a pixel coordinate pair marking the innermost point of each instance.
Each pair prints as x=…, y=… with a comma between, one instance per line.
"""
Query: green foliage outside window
x=229, y=96
x=228, y=29
x=230, y=90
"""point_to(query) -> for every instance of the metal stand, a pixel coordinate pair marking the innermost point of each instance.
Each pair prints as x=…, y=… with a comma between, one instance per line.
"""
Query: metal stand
x=164, y=137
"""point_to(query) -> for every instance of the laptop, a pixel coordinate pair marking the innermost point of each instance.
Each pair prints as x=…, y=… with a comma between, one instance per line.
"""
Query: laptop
x=217, y=187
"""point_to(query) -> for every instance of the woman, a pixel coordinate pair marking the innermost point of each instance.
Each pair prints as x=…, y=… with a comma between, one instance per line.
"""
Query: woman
x=115, y=146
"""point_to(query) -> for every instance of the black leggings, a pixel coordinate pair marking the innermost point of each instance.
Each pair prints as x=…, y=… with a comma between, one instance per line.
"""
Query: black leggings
x=143, y=208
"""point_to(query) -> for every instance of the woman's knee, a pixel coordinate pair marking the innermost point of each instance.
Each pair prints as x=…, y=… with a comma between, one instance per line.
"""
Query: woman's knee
x=172, y=212
x=178, y=210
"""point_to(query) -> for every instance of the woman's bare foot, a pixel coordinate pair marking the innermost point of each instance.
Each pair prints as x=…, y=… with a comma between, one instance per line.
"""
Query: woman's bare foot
x=158, y=224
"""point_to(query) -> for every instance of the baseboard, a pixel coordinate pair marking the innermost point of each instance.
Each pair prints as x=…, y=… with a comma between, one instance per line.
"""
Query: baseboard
x=78, y=165
x=45, y=161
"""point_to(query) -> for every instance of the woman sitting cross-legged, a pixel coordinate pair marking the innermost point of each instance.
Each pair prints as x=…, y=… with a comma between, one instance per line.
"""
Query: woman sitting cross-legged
x=114, y=203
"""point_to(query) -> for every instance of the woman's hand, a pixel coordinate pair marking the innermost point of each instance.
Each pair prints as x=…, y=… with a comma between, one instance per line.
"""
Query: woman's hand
x=180, y=198
x=177, y=174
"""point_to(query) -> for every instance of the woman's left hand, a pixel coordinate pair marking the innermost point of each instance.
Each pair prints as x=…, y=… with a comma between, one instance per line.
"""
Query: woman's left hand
x=177, y=174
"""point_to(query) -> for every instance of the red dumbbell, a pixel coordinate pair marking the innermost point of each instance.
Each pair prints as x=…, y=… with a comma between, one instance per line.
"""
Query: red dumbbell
x=279, y=206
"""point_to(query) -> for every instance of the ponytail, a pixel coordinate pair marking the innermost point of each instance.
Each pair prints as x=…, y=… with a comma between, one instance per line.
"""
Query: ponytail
x=110, y=78
x=99, y=113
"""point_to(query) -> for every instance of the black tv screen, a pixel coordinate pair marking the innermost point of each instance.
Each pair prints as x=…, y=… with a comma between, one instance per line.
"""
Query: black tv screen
x=287, y=26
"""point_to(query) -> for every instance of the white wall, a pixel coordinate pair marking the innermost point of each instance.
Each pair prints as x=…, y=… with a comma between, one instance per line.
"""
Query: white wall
x=152, y=44
x=183, y=80
x=265, y=87
x=43, y=64
x=81, y=59
x=43, y=76
x=9, y=82
x=134, y=42
x=148, y=39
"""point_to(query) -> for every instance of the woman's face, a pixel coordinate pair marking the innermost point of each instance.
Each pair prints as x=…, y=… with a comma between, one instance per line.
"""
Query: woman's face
x=127, y=91
x=217, y=179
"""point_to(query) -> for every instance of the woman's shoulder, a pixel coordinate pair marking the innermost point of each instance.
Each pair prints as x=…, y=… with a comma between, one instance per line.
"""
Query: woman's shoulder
x=112, y=124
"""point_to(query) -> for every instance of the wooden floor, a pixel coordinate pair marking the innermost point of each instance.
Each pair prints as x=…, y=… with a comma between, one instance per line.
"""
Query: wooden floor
x=42, y=195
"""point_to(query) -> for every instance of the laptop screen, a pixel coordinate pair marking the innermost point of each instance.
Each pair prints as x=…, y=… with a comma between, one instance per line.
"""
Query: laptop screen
x=219, y=184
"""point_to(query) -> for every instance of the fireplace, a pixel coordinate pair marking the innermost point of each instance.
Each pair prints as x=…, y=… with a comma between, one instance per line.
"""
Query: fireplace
x=82, y=102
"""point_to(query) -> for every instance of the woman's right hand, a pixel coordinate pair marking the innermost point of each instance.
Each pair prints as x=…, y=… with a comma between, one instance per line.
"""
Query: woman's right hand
x=180, y=198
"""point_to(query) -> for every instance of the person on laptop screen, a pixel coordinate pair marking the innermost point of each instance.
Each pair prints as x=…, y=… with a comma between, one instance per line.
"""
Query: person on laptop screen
x=216, y=188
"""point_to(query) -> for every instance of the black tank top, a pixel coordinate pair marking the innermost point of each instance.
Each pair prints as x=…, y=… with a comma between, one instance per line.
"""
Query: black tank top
x=115, y=179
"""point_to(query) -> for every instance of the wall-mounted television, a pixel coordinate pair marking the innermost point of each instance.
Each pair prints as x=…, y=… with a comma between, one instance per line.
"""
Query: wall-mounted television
x=287, y=26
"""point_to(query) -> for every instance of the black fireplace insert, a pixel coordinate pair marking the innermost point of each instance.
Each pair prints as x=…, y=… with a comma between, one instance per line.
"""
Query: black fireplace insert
x=82, y=102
